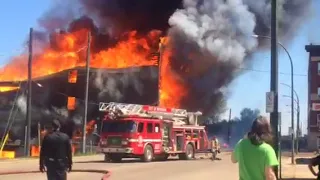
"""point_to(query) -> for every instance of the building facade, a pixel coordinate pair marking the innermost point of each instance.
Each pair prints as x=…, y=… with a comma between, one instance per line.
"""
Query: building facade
x=313, y=97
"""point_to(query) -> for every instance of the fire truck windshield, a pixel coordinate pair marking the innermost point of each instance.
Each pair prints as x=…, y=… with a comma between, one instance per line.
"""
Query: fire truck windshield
x=119, y=126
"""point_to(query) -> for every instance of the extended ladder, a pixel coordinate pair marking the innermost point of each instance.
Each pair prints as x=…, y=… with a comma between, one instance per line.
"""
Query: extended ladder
x=147, y=111
x=136, y=109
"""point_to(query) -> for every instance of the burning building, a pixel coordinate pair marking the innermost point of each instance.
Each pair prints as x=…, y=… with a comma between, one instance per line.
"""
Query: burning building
x=65, y=91
x=204, y=44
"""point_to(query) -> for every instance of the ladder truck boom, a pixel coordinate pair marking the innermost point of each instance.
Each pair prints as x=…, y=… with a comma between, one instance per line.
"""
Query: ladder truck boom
x=179, y=116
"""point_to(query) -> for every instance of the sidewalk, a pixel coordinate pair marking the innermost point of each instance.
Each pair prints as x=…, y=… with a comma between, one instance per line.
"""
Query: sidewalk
x=298, y=171
x=36, y=159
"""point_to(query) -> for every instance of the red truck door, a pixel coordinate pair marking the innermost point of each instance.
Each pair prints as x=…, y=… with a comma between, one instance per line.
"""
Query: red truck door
x=204, y=144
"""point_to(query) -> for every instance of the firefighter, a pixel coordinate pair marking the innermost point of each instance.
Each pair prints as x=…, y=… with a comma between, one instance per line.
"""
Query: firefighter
x=56, y=153
x=215, y=147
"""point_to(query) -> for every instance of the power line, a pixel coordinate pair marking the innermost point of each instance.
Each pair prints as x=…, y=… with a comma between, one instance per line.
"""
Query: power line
x=265, y=71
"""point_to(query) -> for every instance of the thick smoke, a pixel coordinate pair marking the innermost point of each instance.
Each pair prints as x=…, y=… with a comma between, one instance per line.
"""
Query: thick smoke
x=212, y=39
x=111, y=86
x=291, y=14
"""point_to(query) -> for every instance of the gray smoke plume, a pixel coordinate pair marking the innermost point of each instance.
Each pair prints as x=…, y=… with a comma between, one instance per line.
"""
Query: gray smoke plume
x=291, y=14
x=211, y=39
x=211, y=36
x=212, y=32
x=111, y=86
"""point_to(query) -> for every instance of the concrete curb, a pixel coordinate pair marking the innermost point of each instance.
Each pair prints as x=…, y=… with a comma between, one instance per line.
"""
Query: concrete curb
x=106, y=174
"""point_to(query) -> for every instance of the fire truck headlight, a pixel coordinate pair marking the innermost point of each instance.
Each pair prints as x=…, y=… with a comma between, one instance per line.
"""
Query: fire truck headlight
x=125, y=142
x=103, y=142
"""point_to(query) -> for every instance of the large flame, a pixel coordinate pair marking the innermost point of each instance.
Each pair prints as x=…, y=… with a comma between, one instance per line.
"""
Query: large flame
x=71, y=52
x=172, y=90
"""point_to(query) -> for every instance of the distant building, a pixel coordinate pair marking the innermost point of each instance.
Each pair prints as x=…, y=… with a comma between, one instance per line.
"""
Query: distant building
x=313, y=97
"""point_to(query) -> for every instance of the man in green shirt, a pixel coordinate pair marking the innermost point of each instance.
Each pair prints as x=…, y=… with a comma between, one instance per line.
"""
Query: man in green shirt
x=256, y=158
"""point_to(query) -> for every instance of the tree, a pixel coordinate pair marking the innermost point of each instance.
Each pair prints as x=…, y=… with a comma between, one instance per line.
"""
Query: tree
x=236, y=128
x=247, y=116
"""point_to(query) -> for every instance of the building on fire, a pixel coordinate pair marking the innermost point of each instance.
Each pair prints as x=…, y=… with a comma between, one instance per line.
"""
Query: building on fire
x=313, y=97
x=62, y=92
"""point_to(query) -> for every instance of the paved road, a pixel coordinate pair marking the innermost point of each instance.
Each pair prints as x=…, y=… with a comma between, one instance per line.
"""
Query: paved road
x=131, y=169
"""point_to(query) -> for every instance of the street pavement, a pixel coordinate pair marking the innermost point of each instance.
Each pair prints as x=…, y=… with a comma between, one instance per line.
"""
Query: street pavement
x=200, y=168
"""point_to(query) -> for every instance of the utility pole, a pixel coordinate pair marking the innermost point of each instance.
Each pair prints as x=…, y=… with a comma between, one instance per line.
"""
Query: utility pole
x=292, y=115
x=229, y=128
x=274, y=77
x=159, y=70
x=29, y=95
x=84, y=130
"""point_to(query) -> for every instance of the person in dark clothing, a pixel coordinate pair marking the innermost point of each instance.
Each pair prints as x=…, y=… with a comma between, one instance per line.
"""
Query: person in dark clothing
x=56, y=153
x=315, y=162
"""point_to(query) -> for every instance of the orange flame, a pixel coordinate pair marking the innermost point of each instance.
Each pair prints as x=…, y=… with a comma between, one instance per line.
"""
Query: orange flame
x=8, y=88
x=71, y=104
x=172, y=89
x=73, y=75
x=70, y=52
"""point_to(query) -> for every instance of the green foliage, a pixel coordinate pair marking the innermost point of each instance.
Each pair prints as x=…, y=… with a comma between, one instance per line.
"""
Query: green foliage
x=238, y=126
x=243, y=125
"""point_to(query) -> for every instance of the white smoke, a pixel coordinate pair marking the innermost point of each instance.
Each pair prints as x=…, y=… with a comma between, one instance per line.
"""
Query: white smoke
x=215, y=30
x=22, y=103
x=63, y=112
x=112, y=86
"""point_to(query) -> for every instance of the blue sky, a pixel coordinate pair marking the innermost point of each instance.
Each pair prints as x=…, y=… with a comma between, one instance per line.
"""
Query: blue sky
x=259, y=82
x=19, y=16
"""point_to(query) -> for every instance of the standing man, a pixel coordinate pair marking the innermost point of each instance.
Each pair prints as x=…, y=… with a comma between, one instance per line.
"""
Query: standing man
x=56, y=153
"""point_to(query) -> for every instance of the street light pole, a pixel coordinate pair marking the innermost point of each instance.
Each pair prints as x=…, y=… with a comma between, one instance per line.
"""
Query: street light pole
x=84, y=125
x=274, y=76
x=298, y=117
x=161, y=48
x=292, y=94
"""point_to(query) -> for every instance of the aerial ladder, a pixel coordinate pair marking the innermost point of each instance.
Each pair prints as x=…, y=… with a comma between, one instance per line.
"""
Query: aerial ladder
x=178, y=116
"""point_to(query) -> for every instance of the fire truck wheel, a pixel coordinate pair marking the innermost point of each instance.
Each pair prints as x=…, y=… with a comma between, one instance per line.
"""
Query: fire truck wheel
x=148, y=154
x=189, y=154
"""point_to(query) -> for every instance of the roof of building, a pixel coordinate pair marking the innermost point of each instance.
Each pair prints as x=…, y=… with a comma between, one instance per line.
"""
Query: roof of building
x=312, y=48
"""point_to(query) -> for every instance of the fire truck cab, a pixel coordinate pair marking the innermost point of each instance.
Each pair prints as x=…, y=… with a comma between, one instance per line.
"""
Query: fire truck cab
x=150, y=132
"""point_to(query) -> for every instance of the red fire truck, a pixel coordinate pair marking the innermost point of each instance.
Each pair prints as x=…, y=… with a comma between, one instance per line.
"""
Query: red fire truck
x=150, y=132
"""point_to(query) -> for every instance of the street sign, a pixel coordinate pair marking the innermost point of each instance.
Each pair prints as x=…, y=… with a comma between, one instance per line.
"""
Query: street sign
x=290, y=131
x=269, y=102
